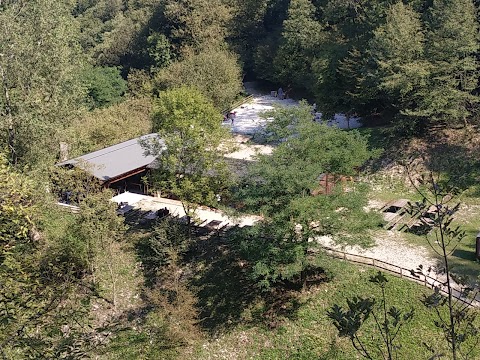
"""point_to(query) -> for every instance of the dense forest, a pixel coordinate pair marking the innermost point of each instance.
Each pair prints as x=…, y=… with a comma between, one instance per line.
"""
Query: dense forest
x=80, y=75
x=411, y=63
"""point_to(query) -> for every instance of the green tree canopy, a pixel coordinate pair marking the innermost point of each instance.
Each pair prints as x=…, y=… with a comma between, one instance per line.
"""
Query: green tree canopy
x=214, y=72
x=196, y=24
x=41, y=90
x=191, y=165
x=398, y=48
x=105, y=85
x=281, y=187
x=452, y=46
x=300, y=36
x=309, y=149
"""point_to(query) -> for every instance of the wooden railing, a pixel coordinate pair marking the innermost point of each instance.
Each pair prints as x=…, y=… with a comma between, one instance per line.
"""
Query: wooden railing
x=401, y=272
x=237, y=104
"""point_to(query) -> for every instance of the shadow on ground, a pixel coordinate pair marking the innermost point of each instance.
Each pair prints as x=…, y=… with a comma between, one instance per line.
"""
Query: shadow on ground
x=210, y=267
x=463, y=260
x=459, y=164
x=226, y=293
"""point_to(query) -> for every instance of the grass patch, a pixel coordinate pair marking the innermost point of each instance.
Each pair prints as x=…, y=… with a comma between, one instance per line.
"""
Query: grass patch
x=310, y=335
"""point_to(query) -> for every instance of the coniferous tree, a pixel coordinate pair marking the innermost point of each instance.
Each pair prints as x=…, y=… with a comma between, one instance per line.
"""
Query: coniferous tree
x=196, y=24
x=401, y=71
x=452, y=44
x=301, y=34
x=341, y=69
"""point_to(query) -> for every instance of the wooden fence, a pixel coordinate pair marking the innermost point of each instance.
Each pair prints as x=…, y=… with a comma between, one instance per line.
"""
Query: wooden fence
x=401, y=272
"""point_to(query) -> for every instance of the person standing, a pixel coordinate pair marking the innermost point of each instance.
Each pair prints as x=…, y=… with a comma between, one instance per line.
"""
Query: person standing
x=280, y=93
x=232, y=116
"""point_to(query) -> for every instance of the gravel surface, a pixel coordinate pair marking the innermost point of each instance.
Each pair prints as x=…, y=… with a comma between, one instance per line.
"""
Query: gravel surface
x=389, y=247
x=249, y=121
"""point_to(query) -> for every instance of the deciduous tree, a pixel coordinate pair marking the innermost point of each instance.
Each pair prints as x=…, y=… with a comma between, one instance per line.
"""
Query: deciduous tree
x=216, y=73
x=191, y=165
x=281, y=187
x=41, y=90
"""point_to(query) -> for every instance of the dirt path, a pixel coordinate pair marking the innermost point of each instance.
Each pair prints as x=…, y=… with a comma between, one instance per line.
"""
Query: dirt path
x=391, y=248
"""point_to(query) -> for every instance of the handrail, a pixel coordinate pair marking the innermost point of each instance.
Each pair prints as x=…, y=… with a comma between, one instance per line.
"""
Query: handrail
x=238, y=103
x=427, y=281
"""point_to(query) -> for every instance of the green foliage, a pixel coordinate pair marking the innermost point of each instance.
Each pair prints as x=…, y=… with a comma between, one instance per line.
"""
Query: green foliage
x=301, y=34
x=437, y=212
x=37, y=317
x=191, y=166
x=113, y=32
x=388, y=320
x=41, y=86
x=159, y=50
x=309, y=150
x=168, y=321
x=100, y=128
x=169, y=239
x=389, y=59
x=196, y=24
x=15, y=211
x=88, y=244
x=214, y=72
x=452, y=42
x=73, y=185
x=246, y=29
x=398, y=49
x=281, y=187
x=105, y=86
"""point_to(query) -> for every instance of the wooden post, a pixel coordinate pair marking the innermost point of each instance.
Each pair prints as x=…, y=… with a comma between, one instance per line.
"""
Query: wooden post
x=63, y=151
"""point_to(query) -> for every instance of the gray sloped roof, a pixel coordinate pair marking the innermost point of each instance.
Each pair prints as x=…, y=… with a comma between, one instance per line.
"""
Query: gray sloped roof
x=119, y=159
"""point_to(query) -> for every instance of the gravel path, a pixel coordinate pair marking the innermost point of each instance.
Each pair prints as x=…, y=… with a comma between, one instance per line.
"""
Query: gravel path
x=389, y=247
x=249, y=121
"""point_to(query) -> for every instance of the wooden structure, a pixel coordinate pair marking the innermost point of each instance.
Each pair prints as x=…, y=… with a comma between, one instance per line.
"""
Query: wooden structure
x=404, y=273
x=120, y=166
x=398, y=216
x=328, y=182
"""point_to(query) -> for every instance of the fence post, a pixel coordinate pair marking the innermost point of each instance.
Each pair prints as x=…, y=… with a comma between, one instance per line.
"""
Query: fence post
x=373, y=262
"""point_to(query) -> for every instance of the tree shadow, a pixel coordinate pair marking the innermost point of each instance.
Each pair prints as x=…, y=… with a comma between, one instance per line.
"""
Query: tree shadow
x=464, y=254
x=226, y=293
x=459, y=164
x=463, y=259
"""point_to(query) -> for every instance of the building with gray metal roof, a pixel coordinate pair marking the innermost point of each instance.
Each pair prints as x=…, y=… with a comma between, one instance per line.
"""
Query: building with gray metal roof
x=119, y=161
